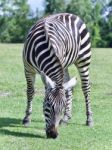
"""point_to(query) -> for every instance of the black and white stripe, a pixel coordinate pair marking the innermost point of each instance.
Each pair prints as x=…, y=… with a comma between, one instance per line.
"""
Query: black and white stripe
x=54, y=43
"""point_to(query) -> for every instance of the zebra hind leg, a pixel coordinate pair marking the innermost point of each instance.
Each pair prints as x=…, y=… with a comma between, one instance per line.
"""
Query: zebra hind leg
x=84, y=75
x=30, y=79
x=68, y=107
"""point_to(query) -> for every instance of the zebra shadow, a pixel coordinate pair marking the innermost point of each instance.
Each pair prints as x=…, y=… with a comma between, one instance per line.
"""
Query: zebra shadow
x=6, y=125
x=9, y=122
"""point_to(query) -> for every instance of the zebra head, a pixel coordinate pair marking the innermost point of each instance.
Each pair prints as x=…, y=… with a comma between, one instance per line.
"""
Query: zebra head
x=54, y=104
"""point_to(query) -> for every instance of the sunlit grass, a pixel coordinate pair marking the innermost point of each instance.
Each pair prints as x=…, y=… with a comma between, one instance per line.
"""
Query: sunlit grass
x=74, y=136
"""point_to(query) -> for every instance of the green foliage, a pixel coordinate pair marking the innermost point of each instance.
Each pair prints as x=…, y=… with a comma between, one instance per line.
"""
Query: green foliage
x=16, y=18
x=106, y=32
x=96, y=39
x=81, y=8
x=55, y=6
x=95, y=29
x=74, y=136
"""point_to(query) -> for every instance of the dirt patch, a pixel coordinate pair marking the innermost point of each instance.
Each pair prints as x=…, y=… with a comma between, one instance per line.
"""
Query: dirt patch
x=4, y=94
x=38, y=92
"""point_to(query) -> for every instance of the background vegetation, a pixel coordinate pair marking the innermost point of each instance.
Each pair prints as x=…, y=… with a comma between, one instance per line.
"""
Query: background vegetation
x=74, y=136
x=16, y=17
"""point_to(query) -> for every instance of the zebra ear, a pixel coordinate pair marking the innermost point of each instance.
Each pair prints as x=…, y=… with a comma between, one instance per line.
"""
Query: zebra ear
x=70, y=84
x=47, y=81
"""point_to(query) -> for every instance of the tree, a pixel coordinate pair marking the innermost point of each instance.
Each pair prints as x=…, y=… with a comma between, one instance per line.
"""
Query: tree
x=95, y=32
x=14, y=20
x=55, y=6
x=106, y=32
x=106, y=25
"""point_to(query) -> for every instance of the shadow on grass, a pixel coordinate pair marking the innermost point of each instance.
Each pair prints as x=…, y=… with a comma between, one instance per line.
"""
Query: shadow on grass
x=20, y=134
x=13, y=122
x=77, y=124
x=9, y=122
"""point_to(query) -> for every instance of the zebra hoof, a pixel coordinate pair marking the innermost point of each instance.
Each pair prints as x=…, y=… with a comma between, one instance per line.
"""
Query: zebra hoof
x=89, y=123
x=26, y=122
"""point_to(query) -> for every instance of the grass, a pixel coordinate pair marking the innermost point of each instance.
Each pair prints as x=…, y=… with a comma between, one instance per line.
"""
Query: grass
x=74, y=136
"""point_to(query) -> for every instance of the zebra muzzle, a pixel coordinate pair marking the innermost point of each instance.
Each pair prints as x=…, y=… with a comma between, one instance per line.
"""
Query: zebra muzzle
x=52, y=132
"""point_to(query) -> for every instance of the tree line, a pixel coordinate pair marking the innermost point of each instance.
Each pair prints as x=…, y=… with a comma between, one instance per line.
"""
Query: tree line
x=16, y=18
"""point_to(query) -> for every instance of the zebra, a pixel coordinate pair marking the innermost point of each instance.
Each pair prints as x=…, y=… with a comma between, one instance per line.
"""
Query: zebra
x=52, y=45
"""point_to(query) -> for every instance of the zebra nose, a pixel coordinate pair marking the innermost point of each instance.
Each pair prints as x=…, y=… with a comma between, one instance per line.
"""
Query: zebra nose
x=52, y=133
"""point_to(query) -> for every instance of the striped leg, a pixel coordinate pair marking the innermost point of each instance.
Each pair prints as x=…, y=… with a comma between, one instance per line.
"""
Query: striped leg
x=68, y=109
x=84, y=74
x=68, y=93
x=30, y=79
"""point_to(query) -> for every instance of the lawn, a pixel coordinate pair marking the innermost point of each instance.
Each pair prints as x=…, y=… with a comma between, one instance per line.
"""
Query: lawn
x=74, y=136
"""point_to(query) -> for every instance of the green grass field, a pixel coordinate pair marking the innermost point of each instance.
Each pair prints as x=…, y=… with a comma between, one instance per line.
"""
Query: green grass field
x=74, y=136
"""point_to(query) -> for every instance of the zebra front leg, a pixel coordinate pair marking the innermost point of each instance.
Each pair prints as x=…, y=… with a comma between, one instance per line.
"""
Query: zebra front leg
x=68, y=107
x=84, y=75
x=68, y=93
x=30, y=79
